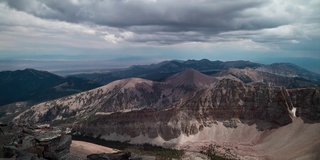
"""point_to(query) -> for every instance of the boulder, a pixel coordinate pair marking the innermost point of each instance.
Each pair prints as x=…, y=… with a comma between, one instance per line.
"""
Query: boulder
x=36, y=142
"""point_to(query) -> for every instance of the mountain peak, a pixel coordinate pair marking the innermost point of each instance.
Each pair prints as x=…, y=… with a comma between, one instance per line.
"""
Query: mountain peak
x=35, y=73
x=126, y=83
x=132, y=82
x=192, y=78
x=34, y=85
x=29, y=69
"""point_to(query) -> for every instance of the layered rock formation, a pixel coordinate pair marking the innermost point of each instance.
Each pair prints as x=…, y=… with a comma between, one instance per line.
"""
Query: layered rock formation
x=226, y=101
x=188, y=106
x=118, y=96
x=190, y=94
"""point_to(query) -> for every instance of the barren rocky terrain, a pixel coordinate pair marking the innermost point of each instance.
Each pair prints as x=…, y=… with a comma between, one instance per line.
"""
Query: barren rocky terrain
x=235, y=114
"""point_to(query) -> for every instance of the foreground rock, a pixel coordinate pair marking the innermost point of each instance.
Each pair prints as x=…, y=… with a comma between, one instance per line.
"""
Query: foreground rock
x=38, y=141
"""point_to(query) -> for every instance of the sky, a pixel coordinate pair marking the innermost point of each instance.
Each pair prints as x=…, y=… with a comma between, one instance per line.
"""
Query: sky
x=79, y=34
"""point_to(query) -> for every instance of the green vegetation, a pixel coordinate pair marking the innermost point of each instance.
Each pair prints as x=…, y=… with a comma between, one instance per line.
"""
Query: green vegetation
x=146, y=149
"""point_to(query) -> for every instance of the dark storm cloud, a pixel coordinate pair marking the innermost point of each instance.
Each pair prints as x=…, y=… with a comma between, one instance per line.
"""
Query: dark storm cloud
x=166, y=22
x=189, y=15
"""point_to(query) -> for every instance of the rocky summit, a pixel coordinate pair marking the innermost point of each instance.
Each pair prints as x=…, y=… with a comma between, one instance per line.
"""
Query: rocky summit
x=36, y=141
x=31, y=142
x=191, y=110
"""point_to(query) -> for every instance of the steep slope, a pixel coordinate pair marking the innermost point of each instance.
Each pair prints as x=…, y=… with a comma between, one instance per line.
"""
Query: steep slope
x=34, y=85
x=246, y=75
x=119, y=96
x=23, y=84
x=190, y=91
x=289, y=70
x=247, y=118
x=192, y=79
x=249, y=75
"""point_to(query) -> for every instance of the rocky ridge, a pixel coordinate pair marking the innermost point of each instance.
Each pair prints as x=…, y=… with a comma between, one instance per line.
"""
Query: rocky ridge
x=202, y=108
x=288, y=70
x=229, y=102
x=249, y=75
x=37, y=86
x=119, y=96
x=163, y=103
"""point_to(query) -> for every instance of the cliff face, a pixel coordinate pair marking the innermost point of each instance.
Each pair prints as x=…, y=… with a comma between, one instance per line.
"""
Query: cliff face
x=190, y=109
x=135, y=107
x=229, y=102
x=305, y=103
x=119, y=96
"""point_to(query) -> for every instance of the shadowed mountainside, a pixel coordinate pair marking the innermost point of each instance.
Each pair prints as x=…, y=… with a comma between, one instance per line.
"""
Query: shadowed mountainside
x=34, y=85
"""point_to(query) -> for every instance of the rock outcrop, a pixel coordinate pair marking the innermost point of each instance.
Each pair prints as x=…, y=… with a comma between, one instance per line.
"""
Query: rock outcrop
x=229, y=102
x=136, y=107
x=36, y=141
x=119, y=96
x=201, y=108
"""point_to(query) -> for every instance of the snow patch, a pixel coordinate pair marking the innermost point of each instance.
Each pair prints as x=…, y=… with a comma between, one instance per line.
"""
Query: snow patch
x=294, y=109
x=129, y=110
x=103, y=113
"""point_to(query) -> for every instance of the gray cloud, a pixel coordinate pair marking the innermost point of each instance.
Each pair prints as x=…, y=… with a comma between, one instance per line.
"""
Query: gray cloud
x=167, y=22
x=188, y=15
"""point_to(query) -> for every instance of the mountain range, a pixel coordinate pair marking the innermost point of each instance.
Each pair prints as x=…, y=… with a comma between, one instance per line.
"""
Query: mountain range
x=187, y=88
x=37, y=86
x=191, y=108
x=163, y=70
x=256, y=111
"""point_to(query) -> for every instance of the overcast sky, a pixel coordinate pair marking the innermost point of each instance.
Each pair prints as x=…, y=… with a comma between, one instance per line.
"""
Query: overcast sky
x=154, y=30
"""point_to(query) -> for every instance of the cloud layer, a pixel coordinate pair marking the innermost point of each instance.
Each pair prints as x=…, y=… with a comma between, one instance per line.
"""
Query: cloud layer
x=73, y=26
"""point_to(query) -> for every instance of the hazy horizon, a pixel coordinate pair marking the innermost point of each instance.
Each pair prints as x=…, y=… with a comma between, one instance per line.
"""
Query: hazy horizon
x=65, y=67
